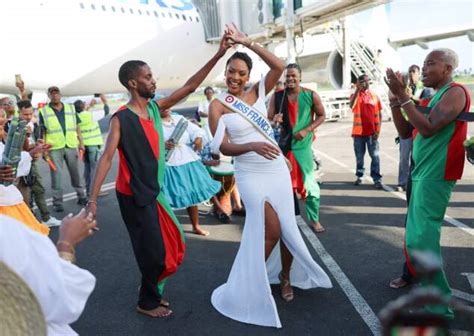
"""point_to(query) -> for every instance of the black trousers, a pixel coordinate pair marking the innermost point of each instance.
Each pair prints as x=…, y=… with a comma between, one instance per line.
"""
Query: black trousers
x=143, y=227
x=406, y=275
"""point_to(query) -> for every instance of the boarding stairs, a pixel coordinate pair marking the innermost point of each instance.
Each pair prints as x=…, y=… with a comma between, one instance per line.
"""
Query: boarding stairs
x=363, y=62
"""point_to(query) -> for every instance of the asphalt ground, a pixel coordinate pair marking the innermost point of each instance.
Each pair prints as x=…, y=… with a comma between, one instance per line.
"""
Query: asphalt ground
x=361, y=251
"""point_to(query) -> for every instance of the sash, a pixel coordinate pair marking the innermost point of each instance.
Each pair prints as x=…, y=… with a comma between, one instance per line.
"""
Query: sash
x=253, y=116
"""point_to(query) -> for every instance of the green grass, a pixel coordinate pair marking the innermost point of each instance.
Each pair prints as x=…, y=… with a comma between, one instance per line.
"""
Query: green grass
x=464, y=79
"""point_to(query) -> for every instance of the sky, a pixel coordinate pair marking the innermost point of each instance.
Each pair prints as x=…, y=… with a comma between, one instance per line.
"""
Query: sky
x=411, y=15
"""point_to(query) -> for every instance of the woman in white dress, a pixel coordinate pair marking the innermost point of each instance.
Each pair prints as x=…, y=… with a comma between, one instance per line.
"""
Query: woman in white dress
x=264, y=182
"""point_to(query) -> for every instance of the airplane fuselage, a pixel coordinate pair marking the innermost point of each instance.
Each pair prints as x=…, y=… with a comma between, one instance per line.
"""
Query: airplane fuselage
x=79, y=45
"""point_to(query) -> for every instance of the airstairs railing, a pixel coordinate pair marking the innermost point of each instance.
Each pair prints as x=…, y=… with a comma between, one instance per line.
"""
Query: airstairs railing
x=363, y=62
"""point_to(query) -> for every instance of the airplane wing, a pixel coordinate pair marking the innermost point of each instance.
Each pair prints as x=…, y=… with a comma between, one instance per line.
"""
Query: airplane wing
x=421, y=38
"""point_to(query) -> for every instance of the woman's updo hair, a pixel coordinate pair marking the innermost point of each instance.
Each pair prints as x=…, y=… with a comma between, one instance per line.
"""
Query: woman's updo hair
x=241, y=56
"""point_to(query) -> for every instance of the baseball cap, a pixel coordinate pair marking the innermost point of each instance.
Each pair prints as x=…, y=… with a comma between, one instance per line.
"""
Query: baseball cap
x=52, y=89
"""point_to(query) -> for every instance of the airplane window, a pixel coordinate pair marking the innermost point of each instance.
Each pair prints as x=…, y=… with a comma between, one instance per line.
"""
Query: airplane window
x=156, y=13
x=82, y=5
x=93, y=6
x=148, y=13
x=197, y=19
x=163, y=14
x=190, y=18
x=177, y=16
x=103, y=8
x=123, y=10
x=171, y=15
x=184, y=17
x=113, y=9
x=131, y=11
x=139, y=12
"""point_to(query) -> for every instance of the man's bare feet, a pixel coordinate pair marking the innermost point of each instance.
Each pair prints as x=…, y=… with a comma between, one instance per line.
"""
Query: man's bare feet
x=399, y=283
x=159, y=311
x=318, y=228
x=197, y=230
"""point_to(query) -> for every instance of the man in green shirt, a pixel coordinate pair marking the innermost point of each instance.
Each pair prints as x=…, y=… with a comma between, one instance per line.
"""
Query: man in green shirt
x=438, y=156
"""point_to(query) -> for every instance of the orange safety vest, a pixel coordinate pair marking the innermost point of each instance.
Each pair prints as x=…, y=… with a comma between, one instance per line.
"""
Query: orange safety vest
x=357, y=123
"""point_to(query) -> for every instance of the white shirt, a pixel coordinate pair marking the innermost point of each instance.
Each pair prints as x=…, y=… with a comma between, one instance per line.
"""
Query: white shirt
x=204, y=107
x=62, y=288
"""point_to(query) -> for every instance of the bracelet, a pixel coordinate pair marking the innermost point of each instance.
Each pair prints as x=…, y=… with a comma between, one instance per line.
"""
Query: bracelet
x=68, y=257
x=90, y=202
x=406, y=102
x=251, y=44
x=67, y=244
x=395, y=104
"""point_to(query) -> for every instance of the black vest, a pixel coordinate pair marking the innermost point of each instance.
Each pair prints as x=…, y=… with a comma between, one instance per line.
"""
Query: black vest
x=141, y=161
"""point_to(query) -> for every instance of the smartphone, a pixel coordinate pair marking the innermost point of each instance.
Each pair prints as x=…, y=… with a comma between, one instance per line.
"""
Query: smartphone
x=96, y=95
x=17, y=78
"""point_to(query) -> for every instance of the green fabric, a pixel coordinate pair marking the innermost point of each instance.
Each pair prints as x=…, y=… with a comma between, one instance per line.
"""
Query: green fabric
x=304, y=119
x=428, y=203
x=304, y=155
x=311, y=206
x=154, y=113
x=430, y=154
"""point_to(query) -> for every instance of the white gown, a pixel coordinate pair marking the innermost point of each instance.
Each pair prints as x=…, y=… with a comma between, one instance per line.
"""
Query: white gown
x=247, y=296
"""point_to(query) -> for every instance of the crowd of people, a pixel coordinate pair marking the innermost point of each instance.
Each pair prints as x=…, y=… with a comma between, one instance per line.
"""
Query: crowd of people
x=159, y=171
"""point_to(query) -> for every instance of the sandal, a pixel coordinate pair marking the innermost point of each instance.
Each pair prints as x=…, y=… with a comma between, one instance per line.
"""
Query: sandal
x=223, y=218
x=239, y=212
x=286, y=290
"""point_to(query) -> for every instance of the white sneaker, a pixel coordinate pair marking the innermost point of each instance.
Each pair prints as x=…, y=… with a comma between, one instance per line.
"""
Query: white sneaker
x=52, y=222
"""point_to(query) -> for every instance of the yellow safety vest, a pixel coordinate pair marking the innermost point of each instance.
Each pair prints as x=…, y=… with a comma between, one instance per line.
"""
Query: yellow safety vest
x=54, y=132
x=90, y=130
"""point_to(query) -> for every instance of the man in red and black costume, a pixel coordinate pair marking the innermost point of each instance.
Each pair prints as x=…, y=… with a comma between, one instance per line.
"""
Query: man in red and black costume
x=136, y=131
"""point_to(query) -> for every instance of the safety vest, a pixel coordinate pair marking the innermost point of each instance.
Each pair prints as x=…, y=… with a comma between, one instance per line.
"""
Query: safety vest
x=357, y=123
x=54, y=132
x=90, y=130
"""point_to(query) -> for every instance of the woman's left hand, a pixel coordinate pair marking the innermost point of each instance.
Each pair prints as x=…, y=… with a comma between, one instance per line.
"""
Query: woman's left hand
x=226, y=43
x=236, y=35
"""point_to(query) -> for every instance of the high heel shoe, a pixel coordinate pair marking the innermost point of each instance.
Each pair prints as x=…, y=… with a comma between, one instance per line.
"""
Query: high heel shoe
x=286, y=290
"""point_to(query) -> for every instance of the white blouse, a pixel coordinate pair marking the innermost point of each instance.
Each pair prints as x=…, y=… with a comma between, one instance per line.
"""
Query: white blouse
x=183, y=152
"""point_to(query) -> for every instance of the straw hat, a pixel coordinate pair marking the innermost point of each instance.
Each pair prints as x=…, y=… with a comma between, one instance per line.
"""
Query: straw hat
x=20, y=312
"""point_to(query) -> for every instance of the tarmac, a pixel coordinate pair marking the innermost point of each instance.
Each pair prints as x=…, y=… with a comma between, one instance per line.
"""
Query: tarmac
x=361, y=250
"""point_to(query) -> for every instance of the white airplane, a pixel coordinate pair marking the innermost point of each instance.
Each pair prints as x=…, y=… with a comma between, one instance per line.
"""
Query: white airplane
x=80, y=45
